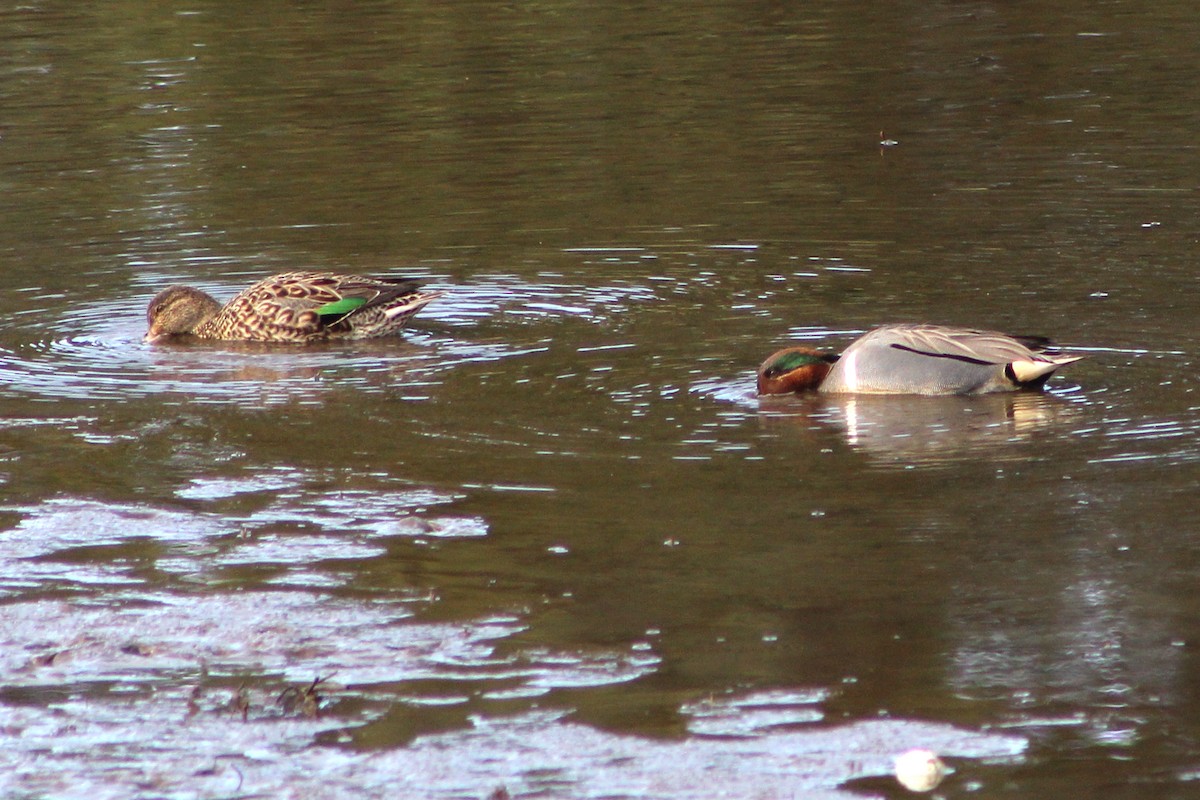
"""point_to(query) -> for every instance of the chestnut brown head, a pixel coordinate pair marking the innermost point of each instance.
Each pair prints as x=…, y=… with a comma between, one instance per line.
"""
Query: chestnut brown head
x=795, y=369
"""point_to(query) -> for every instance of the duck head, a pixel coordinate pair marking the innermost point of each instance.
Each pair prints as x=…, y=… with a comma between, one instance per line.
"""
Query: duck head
x=178, y=310
x=794, y=369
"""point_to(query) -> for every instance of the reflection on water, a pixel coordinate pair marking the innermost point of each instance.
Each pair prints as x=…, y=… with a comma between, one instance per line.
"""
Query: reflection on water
x=103, y=358
x=198, y=681
x=548, y=539
x=192, y=691
x=907, y=430
x=754, y=714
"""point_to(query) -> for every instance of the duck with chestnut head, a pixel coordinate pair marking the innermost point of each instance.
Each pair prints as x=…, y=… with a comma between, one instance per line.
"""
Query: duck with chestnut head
x=916, y=359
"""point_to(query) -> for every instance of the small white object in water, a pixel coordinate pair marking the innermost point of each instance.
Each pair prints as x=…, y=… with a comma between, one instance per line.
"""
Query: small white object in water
x=920, y=770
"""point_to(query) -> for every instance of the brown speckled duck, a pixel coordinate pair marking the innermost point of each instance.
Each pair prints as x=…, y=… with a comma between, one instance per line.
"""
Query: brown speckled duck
x=294, y=307
x=916, y=359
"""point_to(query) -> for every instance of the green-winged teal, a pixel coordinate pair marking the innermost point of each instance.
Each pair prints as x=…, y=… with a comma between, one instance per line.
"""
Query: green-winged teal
x=916, y=359
x=293, y=307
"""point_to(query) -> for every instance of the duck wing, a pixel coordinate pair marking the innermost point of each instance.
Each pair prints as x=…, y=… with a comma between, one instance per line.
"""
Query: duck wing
x=963, y=344
x=303, y=306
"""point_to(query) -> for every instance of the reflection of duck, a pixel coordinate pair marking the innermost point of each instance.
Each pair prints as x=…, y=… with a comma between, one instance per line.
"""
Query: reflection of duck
x=916, y=359
x=292, y=307
x=913, y=429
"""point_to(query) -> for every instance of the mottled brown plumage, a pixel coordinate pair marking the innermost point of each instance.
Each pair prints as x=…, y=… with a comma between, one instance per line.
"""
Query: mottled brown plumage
x=295, y=307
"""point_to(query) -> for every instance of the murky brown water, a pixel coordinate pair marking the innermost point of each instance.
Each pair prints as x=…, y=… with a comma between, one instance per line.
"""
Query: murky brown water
x=549, y=540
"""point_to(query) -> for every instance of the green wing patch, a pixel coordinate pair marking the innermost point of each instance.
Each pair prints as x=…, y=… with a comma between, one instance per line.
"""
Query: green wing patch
x=338, y=309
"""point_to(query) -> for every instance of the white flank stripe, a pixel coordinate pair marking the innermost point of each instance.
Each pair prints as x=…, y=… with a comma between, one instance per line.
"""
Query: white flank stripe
x=849, y=372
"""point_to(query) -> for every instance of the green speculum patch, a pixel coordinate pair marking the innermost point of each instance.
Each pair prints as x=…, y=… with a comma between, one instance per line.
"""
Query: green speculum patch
x=340, y=308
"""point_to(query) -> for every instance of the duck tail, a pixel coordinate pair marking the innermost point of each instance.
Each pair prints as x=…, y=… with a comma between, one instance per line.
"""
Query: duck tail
x=410, y=304
x=1033, y=373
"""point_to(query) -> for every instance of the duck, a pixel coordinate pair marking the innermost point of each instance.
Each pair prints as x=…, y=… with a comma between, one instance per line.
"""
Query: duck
x=922, y=359
x=292, y=307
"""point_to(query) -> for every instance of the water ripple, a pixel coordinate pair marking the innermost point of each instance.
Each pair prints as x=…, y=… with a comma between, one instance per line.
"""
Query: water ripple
x=93, y=351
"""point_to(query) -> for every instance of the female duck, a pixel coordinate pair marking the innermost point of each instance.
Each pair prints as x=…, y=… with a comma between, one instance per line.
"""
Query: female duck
x=293, y=307
x=916, y=359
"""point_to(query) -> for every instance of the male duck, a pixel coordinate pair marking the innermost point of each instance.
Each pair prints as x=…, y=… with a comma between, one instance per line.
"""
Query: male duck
x=294, y=307
x=916, y=359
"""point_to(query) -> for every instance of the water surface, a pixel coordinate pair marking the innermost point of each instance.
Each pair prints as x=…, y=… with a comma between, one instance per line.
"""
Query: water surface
x=548, y=541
